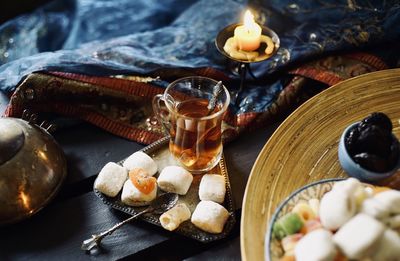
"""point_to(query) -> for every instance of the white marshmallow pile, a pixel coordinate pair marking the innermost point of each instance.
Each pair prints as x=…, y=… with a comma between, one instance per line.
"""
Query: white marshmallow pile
x=208, y=215
x=362, y=226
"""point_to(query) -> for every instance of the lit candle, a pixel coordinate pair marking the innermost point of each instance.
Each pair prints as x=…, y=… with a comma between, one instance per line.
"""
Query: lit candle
x=248, y=35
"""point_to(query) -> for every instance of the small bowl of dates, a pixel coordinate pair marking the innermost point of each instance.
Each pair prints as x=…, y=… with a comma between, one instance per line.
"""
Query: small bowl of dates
x=368, y=150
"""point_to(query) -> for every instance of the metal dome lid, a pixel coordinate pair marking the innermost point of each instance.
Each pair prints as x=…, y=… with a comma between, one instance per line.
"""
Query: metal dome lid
x=32, y=169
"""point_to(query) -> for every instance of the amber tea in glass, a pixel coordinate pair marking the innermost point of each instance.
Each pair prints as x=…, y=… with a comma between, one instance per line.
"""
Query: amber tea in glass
x=194, y=127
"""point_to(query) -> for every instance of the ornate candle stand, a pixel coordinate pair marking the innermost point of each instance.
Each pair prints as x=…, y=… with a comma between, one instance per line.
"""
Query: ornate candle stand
x=242, y=59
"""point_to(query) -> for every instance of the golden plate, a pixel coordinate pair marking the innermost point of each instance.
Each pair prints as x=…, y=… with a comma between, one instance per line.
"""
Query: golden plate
x=304, y=148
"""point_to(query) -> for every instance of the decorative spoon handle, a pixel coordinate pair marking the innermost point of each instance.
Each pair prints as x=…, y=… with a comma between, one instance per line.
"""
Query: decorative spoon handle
x=213, y=101
x=95, y=240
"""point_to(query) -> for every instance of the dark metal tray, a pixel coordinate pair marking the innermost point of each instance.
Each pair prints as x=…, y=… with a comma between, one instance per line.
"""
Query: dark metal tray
x=160, y=153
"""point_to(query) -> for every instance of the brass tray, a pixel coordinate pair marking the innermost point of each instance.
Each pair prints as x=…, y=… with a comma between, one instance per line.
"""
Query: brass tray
x=304, y=148
x=160, y=153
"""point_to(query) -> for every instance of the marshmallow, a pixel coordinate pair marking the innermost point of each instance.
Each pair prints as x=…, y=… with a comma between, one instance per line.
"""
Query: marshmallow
x=349, y=185
x=393, y=221
x=316, y=246
x=359, y=237
x=171, y=219
x=212, y=187
x=133, y=197
x=111, y=179
x=141, y=160
x=375, y=209
x=175, y=179
x=390, y=198
x=336, y=209
x=389, y=247
x=210, y=217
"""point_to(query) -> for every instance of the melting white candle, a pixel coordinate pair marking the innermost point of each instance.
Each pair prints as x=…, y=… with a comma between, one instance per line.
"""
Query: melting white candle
x=248, y=35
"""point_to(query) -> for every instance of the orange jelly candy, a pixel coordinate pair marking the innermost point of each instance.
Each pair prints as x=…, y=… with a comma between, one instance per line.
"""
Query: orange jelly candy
x=142, y=180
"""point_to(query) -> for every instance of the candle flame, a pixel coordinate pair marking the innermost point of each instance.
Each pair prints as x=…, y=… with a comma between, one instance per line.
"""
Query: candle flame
x=249, y=22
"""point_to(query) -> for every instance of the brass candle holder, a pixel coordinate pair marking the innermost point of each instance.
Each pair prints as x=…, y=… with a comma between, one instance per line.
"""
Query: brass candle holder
x=241, y=60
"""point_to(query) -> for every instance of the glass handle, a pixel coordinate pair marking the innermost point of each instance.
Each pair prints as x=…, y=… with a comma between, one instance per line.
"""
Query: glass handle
x=161, y=114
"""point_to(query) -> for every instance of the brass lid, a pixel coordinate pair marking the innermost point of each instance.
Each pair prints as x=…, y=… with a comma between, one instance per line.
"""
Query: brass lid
x=12, y=139
x=32, y=168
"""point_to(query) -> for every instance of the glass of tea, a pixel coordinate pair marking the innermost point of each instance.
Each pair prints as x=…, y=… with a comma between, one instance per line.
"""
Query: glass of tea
x=191, y=110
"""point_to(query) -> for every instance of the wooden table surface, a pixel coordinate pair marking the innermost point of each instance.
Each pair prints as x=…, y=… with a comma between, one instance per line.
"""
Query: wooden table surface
x=57, y=231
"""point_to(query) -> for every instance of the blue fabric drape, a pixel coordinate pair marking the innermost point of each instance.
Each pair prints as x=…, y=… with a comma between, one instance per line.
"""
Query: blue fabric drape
x=103, y=37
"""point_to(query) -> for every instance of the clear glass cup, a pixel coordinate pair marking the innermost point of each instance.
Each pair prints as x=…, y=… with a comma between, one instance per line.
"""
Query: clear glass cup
x=194, y=127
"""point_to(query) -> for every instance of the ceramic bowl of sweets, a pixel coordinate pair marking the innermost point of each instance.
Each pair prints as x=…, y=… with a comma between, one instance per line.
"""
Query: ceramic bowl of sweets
x=368, y=150
x=336, y=220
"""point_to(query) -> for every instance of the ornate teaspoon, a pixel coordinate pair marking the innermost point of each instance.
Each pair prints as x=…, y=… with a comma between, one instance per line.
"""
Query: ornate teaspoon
x=158, y=206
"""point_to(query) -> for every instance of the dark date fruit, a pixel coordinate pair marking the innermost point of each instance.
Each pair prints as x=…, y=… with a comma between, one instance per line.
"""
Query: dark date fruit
x=378, y=119
x=394, y=152
x=351, y=140
x=374, y=140
x=371, y=162
x=372, y=145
